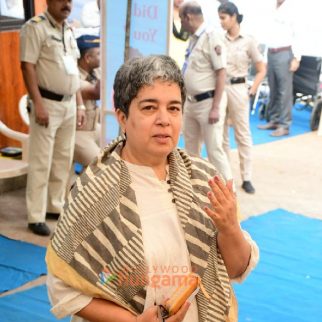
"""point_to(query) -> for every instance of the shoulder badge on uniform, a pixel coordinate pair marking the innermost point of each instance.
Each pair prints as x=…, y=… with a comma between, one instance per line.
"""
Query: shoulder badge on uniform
x=218, y=50
x=38, y=19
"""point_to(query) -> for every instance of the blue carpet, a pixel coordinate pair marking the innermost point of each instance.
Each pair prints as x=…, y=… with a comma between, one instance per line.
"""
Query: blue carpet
x=27, y=306
x=286, y=286
x=300, y=125
x=20, y=262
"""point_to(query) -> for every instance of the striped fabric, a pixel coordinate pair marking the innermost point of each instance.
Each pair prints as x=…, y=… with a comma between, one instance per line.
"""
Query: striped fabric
x=100, y=230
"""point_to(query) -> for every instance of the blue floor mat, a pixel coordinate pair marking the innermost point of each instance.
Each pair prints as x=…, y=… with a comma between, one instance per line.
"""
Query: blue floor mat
x=300, y=125
x=27, y=306
x=20, y=262
x=286, y=286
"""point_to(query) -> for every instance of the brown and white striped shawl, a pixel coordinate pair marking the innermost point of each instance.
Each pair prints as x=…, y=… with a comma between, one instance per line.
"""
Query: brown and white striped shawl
x=100, y=228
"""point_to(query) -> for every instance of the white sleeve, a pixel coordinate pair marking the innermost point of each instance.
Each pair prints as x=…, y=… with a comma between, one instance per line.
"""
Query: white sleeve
x=254, y=258
x=65, y=300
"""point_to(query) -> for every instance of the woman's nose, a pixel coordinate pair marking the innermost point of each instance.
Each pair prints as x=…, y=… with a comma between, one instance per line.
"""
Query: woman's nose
x=163, y=117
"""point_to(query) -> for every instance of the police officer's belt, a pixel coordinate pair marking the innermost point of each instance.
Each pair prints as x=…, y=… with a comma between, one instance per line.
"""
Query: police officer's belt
x=237, y=80
x=202, y=96
x=53, y=96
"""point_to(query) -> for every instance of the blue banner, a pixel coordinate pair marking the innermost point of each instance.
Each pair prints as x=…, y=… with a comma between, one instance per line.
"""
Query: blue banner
x=149, y=27
x=149, y=35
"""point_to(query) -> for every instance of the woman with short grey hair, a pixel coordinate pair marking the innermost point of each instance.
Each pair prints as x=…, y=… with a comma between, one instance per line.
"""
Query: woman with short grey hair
x=140, y=72
x=145, y=216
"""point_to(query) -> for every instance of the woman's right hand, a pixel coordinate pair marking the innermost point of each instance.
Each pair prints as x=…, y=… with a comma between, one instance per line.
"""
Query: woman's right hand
x=151, y=315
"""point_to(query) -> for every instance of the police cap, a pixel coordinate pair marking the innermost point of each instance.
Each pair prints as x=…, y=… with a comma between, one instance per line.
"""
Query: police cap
x=88, y=41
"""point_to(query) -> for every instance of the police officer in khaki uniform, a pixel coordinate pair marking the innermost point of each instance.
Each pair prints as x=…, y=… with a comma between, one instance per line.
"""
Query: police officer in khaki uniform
x=204, y=76
x=242, y=50
x=87, y=137
x=48, y=57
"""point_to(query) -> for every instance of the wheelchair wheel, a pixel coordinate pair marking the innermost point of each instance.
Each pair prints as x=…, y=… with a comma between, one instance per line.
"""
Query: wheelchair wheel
x=263, y=113
x=315, y=115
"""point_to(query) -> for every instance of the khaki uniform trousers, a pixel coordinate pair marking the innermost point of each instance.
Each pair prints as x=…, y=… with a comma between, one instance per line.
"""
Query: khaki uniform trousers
x=196, y=130
x=238, y=114
x=50, y=157
x=87, y=146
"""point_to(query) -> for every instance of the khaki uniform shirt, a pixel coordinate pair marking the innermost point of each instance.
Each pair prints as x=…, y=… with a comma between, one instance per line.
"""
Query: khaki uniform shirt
x=208, y=54
x=241, y=53
x=92, y=112
x=45, y=43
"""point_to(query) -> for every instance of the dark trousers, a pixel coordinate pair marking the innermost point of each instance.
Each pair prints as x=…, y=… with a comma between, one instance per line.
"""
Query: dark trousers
x=280, y=81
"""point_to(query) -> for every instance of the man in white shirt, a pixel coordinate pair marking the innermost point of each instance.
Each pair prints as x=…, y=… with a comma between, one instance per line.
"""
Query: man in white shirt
x=283, y=60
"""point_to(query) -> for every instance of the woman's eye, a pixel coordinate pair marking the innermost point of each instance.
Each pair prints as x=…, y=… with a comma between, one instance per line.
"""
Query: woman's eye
x=148, y=107
x=175, y=108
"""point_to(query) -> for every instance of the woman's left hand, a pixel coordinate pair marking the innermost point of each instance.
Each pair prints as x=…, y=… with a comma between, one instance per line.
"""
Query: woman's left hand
x=223, y=210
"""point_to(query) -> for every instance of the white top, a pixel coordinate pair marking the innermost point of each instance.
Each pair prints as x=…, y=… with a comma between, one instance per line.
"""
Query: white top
x=283, y=30
x=161, y=232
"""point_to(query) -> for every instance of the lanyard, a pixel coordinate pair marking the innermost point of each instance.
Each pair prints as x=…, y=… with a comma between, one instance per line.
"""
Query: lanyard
x=190, y=48
x=188, y=53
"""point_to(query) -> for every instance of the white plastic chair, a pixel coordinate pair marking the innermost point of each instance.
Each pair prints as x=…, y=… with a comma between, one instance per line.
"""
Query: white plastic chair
x=9, y=167
x=23, y=109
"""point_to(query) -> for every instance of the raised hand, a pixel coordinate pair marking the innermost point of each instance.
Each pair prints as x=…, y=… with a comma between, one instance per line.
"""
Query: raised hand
x=223, y=210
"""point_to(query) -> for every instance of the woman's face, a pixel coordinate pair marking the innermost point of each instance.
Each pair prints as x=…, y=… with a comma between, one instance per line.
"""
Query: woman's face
x=227, y=21
x=153, y=124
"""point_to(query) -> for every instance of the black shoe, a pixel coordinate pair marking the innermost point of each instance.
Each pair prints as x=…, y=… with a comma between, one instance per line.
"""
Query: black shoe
x=248, y=187
x=52, y=215
x=39, y=228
